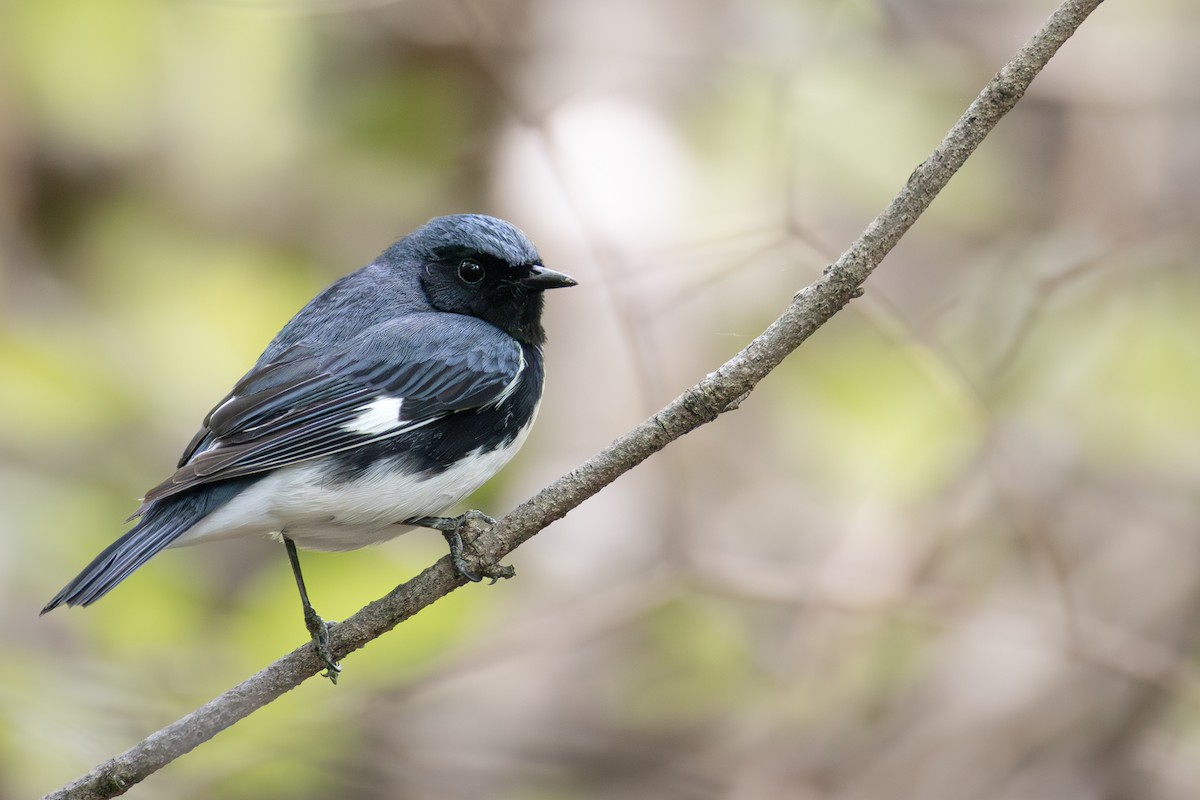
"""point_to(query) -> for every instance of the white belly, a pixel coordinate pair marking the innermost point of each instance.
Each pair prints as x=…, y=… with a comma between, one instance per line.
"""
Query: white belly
x=295, y=501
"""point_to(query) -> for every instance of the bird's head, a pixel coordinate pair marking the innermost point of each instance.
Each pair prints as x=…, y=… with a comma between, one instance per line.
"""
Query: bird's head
x=485, y=267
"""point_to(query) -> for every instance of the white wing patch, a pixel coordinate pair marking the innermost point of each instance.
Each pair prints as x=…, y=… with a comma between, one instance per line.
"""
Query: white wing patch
x=377, y=417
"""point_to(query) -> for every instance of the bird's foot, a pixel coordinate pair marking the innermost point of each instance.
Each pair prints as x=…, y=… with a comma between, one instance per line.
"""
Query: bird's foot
x=319, y=629
x=460, y=534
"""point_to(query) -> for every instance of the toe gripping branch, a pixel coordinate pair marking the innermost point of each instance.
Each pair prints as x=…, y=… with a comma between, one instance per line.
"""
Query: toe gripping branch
x=460, y=533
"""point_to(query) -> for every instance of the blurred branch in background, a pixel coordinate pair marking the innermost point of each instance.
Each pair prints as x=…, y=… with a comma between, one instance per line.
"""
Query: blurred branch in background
x=720, y=391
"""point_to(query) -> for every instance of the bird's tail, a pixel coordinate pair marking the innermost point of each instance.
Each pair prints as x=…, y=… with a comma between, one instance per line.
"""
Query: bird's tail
x=162, y=522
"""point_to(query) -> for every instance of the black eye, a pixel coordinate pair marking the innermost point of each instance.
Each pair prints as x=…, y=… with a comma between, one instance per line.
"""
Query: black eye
x=470, y=271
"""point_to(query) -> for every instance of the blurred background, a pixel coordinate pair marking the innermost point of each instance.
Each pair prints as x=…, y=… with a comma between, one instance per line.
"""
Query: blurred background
x=950, y=549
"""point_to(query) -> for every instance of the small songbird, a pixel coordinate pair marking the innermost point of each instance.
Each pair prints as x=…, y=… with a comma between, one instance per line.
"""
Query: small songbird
x=390, y=397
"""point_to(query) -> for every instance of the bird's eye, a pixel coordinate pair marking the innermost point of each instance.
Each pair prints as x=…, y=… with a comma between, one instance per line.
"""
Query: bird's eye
x=470, y=271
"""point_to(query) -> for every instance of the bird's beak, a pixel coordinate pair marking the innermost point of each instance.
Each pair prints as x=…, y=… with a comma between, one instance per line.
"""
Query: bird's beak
x=542, y=278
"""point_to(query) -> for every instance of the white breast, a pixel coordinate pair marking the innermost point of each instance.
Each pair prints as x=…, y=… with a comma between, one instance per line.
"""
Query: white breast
x=298, y=501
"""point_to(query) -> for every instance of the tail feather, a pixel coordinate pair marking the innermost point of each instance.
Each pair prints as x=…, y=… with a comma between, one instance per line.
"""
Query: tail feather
x=161, y=523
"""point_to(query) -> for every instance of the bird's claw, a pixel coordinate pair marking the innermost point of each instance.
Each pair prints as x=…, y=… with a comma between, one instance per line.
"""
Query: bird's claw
x=454, y=539
x=460, y=533
x=319, y=629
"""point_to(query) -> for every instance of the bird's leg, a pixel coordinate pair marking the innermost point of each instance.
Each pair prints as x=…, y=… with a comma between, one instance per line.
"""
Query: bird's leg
x=318, y=628
x=453, y=529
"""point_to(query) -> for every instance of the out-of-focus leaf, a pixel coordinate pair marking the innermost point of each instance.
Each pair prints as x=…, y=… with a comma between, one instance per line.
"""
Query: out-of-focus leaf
x=88, y=70
x=874, y=414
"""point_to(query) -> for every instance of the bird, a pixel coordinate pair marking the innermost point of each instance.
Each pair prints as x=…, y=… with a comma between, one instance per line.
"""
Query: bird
x=390, y=397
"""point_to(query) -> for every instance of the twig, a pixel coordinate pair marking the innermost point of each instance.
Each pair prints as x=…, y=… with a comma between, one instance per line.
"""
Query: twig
x=718, y=392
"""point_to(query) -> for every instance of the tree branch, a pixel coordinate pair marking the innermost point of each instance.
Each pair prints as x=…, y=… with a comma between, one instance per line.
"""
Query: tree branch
x=718, y=392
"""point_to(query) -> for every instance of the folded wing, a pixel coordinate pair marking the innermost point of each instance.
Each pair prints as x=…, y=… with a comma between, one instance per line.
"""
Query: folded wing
x=393, y=378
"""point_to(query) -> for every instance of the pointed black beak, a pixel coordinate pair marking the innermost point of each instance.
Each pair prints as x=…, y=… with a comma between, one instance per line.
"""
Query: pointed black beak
x=543, y=278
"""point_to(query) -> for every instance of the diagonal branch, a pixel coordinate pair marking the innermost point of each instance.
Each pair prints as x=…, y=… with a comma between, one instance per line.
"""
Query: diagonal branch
x=718, y=392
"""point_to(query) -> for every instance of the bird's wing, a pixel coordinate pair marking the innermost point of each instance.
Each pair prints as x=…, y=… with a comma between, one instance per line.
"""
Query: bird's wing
x=393, y=378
